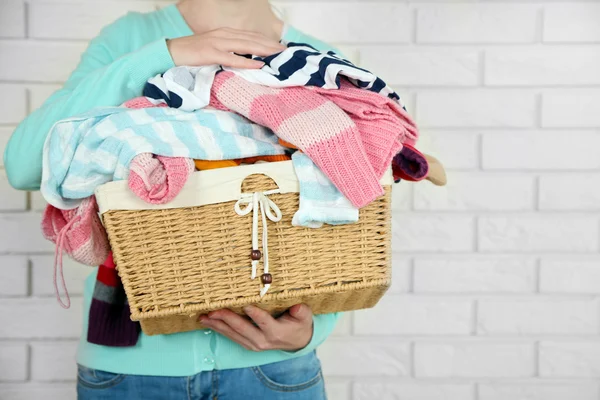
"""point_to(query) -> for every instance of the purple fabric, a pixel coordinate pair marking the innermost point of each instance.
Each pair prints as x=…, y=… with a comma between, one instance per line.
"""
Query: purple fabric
x=409, y=165
x=110, y=321
x=111, y=325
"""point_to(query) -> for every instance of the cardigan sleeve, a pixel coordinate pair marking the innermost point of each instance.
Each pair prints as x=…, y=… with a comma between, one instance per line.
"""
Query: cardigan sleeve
x=103, y=78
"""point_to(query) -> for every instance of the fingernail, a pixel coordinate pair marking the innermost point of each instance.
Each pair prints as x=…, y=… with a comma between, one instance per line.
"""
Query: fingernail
x=212, y=315
x=248, y=309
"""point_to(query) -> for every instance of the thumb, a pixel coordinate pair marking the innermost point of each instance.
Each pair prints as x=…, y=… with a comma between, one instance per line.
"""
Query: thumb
x=301, y=312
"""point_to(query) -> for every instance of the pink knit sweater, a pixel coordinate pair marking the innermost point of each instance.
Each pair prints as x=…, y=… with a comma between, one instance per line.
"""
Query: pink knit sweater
x=350, y=143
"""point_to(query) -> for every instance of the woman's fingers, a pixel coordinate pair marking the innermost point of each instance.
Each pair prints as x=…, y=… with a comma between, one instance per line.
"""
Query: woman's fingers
x=235, y=61
x=263, y=319
x=218, y=46
x=292, y=331
x=245, y=46
x=225, y=330
x=242, y=327
x=230, y=33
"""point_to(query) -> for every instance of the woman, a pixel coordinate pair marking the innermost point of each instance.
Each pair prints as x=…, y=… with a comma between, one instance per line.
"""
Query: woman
x=238, y=358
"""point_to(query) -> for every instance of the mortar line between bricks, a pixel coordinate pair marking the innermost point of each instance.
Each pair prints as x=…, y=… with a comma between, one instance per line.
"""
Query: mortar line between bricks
x=506, y=254
x=498, y=87
x=472, y=212
x=408, y=45
x=539, y=110
x=29, y=361
x=26, y=14
x=351, y=388
x=28, y=98
x=598, y=228
x=29, y=277
x=414, y=30
x=411, y=275
x=464, y=380
x=536, y=192
x=539, y=26
x=22, y=82
x=474, y=317
x=412, y=357
x=486, y=339
x=507, y=296
x=598, y=312
x=48, y=39
x=536, y=359
x=540, y=18
x=538, y=275
x=476, y=244
x=30, y=340
x=481, y=73
x=457, y=254
x=479, y=149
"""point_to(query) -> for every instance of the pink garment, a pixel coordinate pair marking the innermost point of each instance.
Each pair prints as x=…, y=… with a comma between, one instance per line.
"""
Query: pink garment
x=156, y=179
x=141, y=102
x=80, y=233
x=384, y=125
x=351, y=146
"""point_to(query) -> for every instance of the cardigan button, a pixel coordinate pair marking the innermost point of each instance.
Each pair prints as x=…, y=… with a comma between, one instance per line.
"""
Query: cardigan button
x=209, y=360
x=255, y=255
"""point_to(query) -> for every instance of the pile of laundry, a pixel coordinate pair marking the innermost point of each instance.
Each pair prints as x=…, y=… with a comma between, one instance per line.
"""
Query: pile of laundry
x=341, y=126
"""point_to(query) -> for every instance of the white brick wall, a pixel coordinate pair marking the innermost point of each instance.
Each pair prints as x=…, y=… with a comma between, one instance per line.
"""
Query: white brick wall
x=496, y=284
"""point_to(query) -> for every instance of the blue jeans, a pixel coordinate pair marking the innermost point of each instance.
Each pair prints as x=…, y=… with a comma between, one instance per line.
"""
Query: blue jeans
x=295, y=379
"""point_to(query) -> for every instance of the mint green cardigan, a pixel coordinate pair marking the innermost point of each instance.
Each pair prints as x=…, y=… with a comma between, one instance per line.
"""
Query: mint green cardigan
x=112, y=70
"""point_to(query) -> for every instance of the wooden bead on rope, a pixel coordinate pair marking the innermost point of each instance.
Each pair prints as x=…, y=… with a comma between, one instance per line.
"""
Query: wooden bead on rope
x=255, y=255
x=266, y=279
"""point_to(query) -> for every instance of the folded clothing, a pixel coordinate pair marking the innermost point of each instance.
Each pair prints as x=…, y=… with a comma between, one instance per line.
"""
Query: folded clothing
x=158, y=179
x=84, y=152
x=188, y=88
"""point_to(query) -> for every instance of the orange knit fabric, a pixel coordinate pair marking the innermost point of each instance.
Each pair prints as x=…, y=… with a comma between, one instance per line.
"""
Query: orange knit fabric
x=275, y=158
x=203, y=165
x=287, y=144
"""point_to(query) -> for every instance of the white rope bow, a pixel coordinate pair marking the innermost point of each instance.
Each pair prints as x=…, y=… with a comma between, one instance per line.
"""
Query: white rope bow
x=268, y=209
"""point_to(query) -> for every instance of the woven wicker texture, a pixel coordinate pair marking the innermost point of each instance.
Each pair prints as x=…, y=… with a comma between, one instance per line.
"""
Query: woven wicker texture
x=178, y=263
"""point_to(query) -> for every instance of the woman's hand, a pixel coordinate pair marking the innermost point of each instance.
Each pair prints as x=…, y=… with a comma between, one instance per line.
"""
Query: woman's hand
x=216, y=47
x=292, y=331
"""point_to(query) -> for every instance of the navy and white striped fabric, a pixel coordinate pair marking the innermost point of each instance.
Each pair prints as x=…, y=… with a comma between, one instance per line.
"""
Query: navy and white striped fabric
x=189, y=88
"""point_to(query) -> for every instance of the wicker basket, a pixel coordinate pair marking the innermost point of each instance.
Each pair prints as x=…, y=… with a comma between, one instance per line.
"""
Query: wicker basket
x=192, y=256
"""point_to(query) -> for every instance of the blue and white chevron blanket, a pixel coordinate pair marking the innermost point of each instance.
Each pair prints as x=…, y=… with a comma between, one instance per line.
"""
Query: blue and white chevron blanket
x=86, y=151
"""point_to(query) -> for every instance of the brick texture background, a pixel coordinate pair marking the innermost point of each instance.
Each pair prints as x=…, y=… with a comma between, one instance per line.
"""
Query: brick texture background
x=496, y=291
